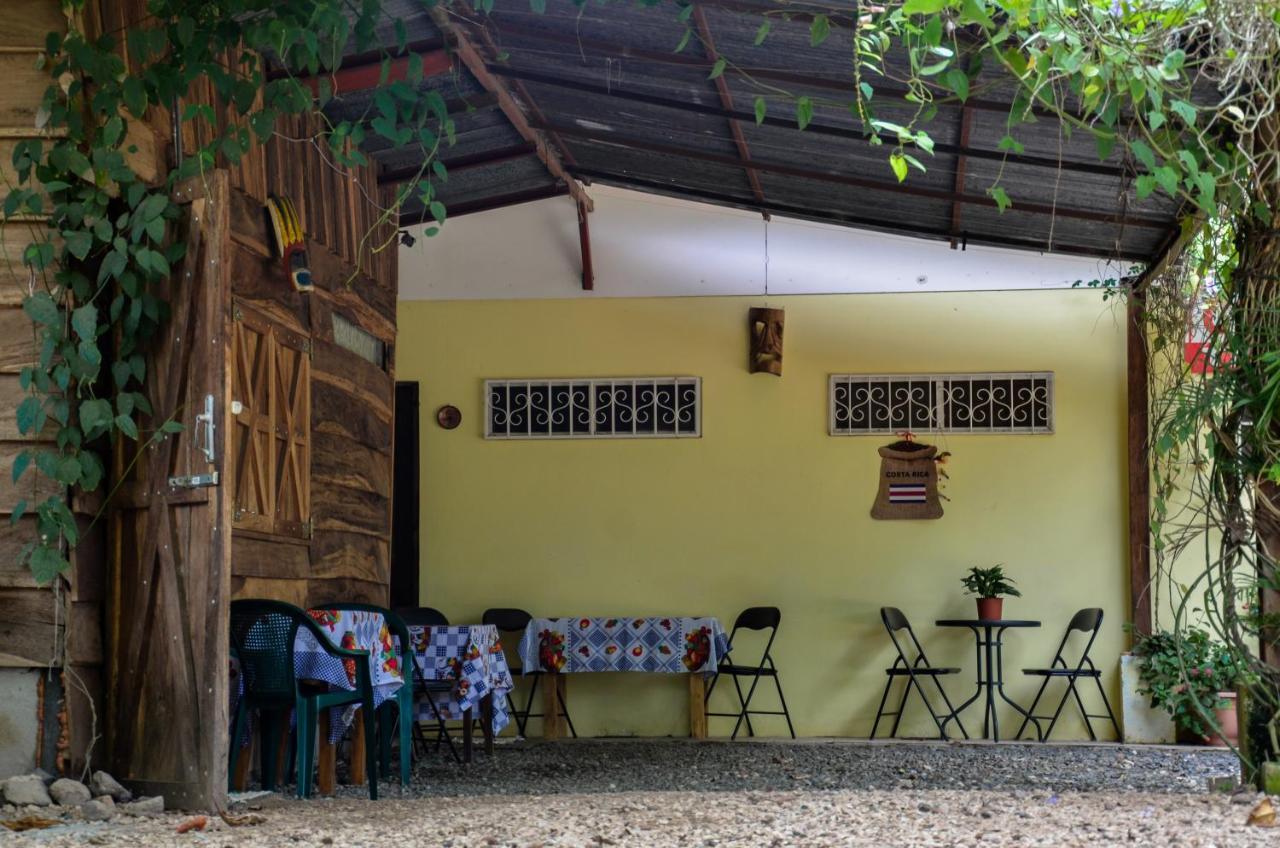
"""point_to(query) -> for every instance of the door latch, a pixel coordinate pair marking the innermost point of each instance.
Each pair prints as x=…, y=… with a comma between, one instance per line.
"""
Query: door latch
x=210, y=428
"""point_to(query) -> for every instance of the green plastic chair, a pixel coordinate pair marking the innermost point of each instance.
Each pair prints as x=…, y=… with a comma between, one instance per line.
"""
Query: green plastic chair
x=262, y=637
x=403, y=701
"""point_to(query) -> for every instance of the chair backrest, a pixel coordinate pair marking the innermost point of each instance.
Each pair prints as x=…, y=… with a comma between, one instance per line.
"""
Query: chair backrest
x=894, y=622
x=395, y=624
x=1089, y=621
x=422, y=616
x=262, y=636
x=507, y=619
x=757, y=618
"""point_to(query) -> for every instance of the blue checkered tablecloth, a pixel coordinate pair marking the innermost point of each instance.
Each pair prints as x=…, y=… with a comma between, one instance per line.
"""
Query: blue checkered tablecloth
x=664, y=644
x=471, y=655
x=358, y=630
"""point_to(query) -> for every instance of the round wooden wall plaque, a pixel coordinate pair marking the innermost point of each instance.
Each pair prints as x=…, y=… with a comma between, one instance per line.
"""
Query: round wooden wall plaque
x=448, y=416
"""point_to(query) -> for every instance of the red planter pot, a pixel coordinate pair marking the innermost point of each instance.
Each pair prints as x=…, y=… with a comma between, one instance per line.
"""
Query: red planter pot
x=990, y=608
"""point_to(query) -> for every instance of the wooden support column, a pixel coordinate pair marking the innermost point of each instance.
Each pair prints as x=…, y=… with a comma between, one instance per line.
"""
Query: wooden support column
x=697, y=706
x=553, y=691
x=584, y=239
x=966, y=120
x=357, y=750
x=1139, y=464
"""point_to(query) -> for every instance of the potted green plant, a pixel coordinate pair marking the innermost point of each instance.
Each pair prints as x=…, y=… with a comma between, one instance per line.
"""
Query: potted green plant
x=991, y=586
x=1188, y=675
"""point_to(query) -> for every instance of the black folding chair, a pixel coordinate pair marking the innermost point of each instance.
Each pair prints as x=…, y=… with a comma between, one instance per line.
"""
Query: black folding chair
x=914, y=671
x=1085, y=621
x=754, y=618
x=509, y=620
x=429, y=617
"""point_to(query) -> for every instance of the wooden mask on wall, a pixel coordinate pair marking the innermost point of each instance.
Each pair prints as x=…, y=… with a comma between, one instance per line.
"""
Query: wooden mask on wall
x=766, y=340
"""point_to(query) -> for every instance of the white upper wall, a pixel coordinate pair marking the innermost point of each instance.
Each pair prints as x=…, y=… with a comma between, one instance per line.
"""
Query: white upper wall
x=644, y=245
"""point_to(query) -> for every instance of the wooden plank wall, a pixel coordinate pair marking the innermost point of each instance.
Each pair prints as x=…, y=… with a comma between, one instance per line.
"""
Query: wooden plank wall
x=39, y=627
x=348, y=556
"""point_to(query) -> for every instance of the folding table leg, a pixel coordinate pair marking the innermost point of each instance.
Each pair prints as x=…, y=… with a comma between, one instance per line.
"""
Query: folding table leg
x=486, y=722
x=468, y=731
x=327, y=762
x=551, y=726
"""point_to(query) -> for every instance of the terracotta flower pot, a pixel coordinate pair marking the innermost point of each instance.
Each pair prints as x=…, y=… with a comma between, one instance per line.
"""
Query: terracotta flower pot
x=1228, y=720
x=990, y=608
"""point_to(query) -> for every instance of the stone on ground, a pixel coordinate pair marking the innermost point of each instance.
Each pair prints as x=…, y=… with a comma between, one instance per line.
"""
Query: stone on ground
x=104, y=784
x=69, y=793
x=26, y=790
x=145, y=806
x=97, y=810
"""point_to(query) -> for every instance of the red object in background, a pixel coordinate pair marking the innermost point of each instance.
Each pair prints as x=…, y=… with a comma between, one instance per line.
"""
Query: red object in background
x=1196, y=350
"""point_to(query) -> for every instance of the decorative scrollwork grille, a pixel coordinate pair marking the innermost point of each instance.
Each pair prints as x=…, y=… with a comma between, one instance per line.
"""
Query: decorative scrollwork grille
x=886, y=404
x=576, y=408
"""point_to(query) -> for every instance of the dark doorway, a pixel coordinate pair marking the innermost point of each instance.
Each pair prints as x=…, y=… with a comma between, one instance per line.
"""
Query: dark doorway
x=405, y=564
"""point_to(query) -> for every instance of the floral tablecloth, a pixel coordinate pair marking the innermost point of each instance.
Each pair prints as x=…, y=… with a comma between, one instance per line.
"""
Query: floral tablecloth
x=357, y=630
x=659, y=644
x=471, y=655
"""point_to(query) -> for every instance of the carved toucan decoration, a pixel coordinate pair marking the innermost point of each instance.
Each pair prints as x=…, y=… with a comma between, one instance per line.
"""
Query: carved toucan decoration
x=290, y=241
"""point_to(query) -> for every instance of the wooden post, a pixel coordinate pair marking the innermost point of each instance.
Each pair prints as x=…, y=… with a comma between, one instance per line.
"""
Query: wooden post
x=468, y=735
x=584, y=239
x=244, y=764
x=697, y=706
x=552, y=694
x=327, y=761
x=1139, y=465
x=357, y=750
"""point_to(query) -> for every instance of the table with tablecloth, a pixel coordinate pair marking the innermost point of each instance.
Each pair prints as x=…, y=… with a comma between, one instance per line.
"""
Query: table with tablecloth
x=471, y=656
x=658, y=644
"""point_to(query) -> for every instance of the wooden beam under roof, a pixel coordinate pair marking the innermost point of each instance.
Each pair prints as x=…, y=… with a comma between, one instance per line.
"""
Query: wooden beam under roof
x=850, y=180
x=957, y=211
x=487, y=204
x=546, y=151
x=726, y=100
x=366, y=72
x=461, y=164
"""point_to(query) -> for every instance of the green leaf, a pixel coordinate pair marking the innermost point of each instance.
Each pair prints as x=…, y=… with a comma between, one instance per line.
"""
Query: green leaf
x=47, y=563
x=135, y=96
x=923, y=7
x=762, y=33
x=437, y=211
x=760, y=107
x=899, y=165
x=20, y=463
x=30, y=416
x=804, y=111
x=1144, y=154
x=126, y=425
x=1185, y=111
x=78, y=242
x=95, y=417
x=41, y=309
x=171, y=426
x=684, y=39
x=1155, y=119
x=717, y=69
x=1001, y=198
x=972, y=11
x=958, y=81
x=1146, y=185
x=1168, y=179
x=819, y=30
x=85, y=322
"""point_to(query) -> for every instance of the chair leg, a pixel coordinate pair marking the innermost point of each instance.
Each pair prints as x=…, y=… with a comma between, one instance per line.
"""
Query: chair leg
x=404, y=718
x=442, y=731
x=888, y=684
x=564, y=711
x=237, y=733
x=1102, y=693
x=751, y=731
x=1093, y=737
x=269, y=743
x=307, y=720
x=942, y=729
x=746, y=705
x=515, y=713
x=1032, y=711
x=370, y=744
x=951, y=710
x=902, y=706
x=386, y=730
x=777, y=681
x=528, y=705
x=1054, y=720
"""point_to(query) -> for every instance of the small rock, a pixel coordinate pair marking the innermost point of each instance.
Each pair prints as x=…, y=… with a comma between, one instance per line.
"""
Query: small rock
x=97, y=810
x=152, y=806
x=45, y=776
x=69, y=793
x=104, y=784
x=27, y=789
x=108, y=801
x=1245, y=797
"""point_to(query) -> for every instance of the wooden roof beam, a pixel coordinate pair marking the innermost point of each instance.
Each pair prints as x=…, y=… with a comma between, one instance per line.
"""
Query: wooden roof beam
x=726, y=100
x=632, y=143
x=487, y=204
x=829, y=216
x=545, y=149
x=364, y=72
x=966, y=118
x=462, y=163
x=814, y=128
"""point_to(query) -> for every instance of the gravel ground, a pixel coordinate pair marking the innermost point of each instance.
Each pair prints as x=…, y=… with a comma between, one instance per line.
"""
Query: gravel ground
x=669, y=793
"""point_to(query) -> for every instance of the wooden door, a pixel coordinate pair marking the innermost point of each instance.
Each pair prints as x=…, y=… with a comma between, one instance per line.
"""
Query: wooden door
x=167, y=711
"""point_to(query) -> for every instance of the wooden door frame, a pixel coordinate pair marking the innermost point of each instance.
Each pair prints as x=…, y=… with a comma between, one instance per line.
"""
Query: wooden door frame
x=406, y=582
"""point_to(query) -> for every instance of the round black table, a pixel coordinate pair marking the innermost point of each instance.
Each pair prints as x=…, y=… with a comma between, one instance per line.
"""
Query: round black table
x=989, y=635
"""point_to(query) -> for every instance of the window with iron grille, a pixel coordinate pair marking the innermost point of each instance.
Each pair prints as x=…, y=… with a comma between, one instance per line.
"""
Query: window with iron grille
x=580, y=408
x=887, y=404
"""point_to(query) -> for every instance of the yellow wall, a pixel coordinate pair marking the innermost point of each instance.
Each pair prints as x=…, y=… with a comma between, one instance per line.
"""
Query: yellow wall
x=766, y=508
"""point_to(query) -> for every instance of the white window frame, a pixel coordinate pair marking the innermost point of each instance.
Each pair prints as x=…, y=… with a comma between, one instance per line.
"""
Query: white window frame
x=938, y=413
x=593, y=383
